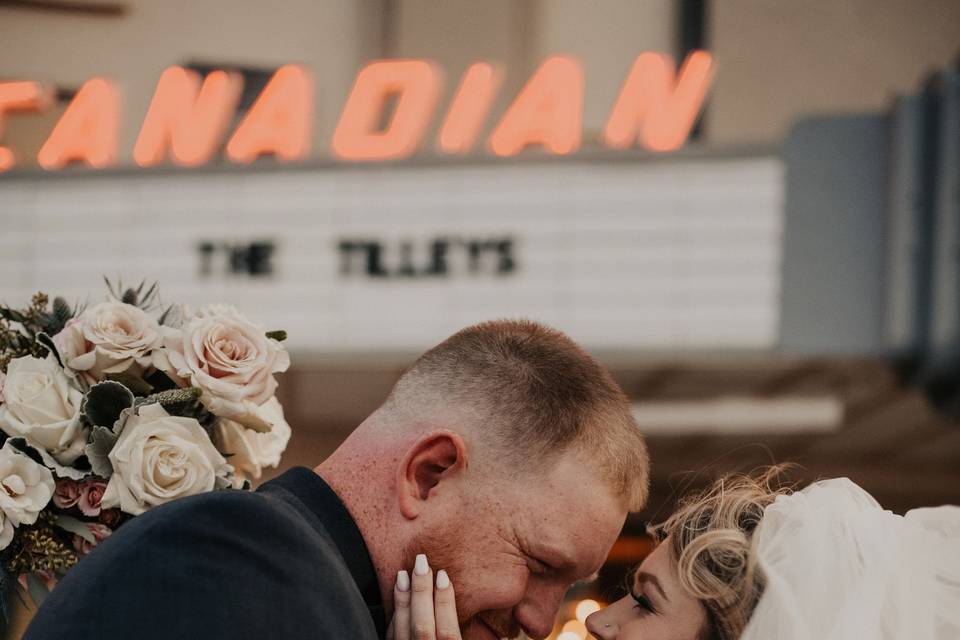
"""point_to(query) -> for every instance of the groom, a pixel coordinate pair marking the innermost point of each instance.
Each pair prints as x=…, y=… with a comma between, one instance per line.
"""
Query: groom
x=506, y=454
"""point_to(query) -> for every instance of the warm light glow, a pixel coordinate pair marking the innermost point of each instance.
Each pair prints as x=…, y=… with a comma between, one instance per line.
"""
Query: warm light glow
x=575, y=626
x=548, y=111
x=280, y=121
x=585, y=608
x=187, y=117
x=414, y=83
x=569, y=635
x=656, y=107
x=87, y=131
x=469, y=108
x=18, y=96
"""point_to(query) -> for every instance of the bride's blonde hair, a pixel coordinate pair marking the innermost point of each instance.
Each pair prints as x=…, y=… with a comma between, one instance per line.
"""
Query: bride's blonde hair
x=711, y=536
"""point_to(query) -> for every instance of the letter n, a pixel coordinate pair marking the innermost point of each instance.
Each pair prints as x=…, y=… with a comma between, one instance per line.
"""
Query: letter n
x=187, y=117
x=656, y=107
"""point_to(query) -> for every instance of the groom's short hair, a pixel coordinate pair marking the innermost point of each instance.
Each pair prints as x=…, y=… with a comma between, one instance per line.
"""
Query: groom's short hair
x=536, y=394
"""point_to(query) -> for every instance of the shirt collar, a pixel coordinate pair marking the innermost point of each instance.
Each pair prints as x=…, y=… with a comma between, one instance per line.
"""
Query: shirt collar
x=320, y=499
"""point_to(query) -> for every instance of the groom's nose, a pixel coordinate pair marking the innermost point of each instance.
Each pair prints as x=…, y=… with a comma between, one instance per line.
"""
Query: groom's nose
x=538, y=610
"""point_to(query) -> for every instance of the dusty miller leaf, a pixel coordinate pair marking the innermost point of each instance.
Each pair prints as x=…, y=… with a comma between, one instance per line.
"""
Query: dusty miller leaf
x=105, y=402
x=98, y=451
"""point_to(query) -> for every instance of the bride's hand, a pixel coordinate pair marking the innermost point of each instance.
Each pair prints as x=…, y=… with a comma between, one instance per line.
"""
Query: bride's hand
x=422, y=612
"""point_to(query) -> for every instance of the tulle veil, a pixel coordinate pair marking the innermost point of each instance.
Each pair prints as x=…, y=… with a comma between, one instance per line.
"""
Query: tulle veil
x=839, y=567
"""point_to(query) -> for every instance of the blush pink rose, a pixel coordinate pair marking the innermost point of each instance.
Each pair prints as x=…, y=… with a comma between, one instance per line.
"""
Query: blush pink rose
x=100, y=533
x=66, y=494
x=110, y=517
x=91, y=493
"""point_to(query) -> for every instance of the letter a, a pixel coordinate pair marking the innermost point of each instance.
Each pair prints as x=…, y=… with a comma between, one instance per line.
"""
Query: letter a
x=87, y=131
x=548, y=111
x=655, y=108
x=416, y=84
x=279, y=122
x=19, y=96
x=187, y=117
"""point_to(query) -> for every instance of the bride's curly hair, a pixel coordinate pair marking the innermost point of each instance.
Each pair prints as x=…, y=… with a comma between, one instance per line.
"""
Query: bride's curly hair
x=711, y=535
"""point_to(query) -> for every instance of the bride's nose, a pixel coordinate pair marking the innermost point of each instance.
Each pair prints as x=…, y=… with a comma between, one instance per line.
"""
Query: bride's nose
x=600, y=626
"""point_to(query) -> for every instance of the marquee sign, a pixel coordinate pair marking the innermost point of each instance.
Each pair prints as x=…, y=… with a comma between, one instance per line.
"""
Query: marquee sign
x=188, y=117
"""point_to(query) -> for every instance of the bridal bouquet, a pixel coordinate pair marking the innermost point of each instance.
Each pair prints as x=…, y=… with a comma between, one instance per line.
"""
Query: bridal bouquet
x=114, y=409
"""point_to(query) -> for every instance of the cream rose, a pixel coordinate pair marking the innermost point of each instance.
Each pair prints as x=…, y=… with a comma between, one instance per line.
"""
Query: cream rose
x=158, y=458
x=231, y=360
x=6, y=531
x=43, y=406
x=249, y=451
x=25, y=487
x=111, y=337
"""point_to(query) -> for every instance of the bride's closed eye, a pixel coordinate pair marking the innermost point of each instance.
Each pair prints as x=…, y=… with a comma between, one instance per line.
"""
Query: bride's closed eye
x=643, y=602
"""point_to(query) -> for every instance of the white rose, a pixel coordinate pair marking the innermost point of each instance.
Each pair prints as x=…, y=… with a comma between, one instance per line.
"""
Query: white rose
x=249, y=451
x=6, y=531
x=41, y=405
x=111, y=337
x=231, y=360
x=25, y=488
x=158, y=458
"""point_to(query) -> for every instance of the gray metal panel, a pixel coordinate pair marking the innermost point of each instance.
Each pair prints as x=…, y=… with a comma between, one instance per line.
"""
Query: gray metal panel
x=945, y=318
x=835, y=234
x=909, y=245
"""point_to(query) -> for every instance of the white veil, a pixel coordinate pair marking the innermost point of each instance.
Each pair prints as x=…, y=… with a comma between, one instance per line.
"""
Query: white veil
x=839, y=567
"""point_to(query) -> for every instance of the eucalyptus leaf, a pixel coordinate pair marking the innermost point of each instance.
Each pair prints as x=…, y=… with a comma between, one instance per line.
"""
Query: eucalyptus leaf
x=47, y=342
x=71, y=524
x=38, y=591
x=105, y=401
x=98, y=451
x=137, y=385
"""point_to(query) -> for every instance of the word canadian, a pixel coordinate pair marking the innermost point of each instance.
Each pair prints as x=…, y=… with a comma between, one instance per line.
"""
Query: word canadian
x=188, y=115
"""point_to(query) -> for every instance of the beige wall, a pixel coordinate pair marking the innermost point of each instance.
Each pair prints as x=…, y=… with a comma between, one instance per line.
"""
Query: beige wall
x=780, y=60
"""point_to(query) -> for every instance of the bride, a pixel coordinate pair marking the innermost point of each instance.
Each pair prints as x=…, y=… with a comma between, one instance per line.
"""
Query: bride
x=750, y=561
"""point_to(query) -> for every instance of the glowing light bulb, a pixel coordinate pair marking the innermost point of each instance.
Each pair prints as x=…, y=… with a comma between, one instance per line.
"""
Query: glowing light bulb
x=585, y=608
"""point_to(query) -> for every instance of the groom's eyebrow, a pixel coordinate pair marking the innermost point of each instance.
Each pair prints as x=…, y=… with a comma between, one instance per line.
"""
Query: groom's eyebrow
x=644, y=578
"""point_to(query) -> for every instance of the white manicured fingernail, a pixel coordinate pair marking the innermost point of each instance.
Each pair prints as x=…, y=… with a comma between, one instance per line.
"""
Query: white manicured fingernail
x=420, y=567
x=403, y=581
x=443, y=580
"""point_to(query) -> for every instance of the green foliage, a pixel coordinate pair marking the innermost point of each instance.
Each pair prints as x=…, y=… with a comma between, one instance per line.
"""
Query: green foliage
x=105, y=402
x=146, y=300
x=279, y=336
x=98, y=450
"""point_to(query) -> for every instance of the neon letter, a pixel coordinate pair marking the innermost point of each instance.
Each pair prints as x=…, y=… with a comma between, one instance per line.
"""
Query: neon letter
x=655, y=108
x=186, y=117
x=87, y=130
x=469, y=108
x=280, y=120
x=415, y=83
x=19, y=96
x=548, y=111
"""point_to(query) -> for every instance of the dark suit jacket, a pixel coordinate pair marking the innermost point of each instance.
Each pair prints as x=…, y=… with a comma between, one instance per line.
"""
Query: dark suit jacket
x=284, y=562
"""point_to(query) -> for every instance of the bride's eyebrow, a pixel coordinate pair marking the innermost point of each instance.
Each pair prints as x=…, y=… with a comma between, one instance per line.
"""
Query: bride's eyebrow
x=642, y=577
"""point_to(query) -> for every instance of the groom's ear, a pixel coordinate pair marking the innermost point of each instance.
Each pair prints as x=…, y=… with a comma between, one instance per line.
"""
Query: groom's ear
x=432, y=459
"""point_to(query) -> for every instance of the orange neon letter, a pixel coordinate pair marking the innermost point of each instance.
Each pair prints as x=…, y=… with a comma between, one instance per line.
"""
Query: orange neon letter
x=280, y=120
x=87, y=130
x=657, y=107
x=19, y=96
x=415, y=83
x=548, y=111
x=187, y=117
x=469, y=108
